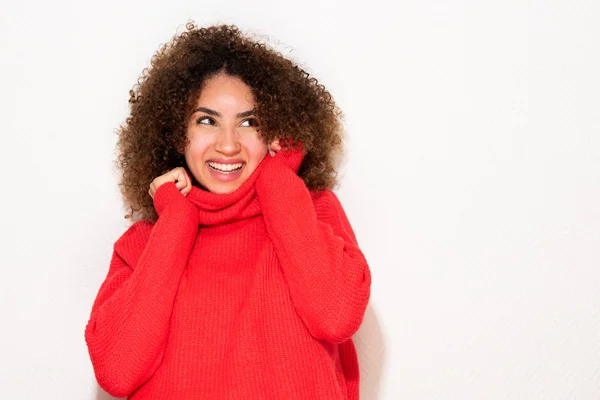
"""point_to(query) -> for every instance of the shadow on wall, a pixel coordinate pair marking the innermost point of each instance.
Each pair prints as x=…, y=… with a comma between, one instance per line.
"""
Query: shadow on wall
x=370, y=347
x=102, y=395
x=371, y=357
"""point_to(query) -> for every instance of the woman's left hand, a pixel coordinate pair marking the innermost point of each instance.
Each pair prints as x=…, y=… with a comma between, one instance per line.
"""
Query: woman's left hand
x=274, y=147
x=290, y=157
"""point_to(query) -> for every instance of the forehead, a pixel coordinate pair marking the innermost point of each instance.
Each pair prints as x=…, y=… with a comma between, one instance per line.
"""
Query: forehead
x=226, y=89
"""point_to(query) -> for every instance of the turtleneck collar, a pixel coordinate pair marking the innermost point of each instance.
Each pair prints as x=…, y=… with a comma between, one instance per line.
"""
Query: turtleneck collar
x=217, y=209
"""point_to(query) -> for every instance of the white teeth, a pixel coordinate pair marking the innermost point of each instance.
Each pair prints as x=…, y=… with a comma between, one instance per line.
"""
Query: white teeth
x=225, y=167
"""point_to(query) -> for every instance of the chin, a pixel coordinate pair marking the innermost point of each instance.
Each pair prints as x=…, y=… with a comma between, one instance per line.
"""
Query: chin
x=221, y=188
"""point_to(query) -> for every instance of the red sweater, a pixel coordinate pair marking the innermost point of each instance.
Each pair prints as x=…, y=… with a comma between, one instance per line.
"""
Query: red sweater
x=253, y=294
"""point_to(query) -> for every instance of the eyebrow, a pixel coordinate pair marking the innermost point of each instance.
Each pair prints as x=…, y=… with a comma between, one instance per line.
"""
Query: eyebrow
x=217, y=114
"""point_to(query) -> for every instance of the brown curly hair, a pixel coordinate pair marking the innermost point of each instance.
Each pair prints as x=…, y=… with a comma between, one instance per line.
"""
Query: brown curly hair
x=289, y=103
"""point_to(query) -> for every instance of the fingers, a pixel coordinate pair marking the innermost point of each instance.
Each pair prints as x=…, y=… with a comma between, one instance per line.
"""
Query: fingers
x=274, y=147
x=291, y=157
x=182, y=180
x=188, y=185
x=178, y=175
x=179, y=178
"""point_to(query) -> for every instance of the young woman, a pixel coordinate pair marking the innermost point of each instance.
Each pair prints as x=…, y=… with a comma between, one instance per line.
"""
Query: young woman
x=241, y=277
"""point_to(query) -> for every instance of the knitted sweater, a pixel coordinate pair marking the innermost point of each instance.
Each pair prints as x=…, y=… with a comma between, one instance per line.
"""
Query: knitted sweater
x=253, y=294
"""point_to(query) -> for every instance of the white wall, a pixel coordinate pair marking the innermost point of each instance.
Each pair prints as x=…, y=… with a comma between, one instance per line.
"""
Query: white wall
x=472, y=182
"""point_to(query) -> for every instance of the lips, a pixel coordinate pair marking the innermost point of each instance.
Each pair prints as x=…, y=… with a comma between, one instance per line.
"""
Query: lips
x=225, y=168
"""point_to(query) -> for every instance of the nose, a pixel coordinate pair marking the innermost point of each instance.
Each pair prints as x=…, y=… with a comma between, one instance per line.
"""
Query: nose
x=228, y=142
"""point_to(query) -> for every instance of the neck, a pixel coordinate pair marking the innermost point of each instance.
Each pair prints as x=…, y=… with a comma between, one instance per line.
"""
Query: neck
x=217, y=209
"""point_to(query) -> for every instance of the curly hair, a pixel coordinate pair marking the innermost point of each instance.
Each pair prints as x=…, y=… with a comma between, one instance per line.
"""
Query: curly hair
x=289, y=103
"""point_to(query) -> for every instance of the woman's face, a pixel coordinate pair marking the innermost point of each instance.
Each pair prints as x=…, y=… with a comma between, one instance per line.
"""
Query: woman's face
x=225, y=146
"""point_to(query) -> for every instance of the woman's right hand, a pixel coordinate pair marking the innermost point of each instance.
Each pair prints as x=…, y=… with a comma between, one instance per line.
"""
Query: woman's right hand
x=178, y=175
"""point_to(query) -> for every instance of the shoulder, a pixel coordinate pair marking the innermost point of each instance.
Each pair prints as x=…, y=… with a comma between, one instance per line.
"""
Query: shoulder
x=133, y=241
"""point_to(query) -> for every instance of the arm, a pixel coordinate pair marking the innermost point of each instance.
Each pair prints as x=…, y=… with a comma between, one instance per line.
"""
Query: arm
x=129, y=323
x=327, y=275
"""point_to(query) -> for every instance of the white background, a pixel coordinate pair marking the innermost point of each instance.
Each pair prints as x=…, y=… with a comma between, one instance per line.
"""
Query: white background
x=472, y=181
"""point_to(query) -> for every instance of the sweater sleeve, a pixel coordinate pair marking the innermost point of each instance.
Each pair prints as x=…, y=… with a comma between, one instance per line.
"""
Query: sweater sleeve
x=327, y=275
x=129, y=323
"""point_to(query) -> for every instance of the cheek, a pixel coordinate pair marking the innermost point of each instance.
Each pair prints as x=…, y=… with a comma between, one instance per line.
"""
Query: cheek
x=197, y=147
x=257, y=149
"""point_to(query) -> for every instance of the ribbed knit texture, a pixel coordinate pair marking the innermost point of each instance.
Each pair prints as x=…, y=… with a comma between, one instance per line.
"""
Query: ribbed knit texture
x=253, y=294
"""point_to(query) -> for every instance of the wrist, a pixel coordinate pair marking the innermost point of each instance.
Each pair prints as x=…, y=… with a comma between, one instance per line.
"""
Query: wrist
x=167, y=196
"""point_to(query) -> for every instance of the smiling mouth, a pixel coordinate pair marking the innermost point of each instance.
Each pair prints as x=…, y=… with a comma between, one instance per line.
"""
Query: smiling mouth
x=225, y=168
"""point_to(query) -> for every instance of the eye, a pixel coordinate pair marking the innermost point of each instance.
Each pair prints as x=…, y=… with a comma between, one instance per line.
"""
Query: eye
x=250, y=122
x=202, y=121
